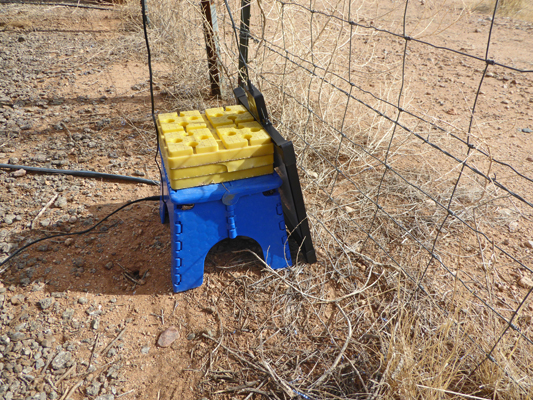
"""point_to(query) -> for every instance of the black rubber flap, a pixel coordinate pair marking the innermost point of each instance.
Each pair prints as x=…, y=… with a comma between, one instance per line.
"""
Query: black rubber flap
x=285, y=164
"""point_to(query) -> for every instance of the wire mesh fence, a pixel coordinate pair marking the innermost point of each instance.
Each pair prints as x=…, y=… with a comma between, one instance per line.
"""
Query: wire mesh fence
x=412, y=126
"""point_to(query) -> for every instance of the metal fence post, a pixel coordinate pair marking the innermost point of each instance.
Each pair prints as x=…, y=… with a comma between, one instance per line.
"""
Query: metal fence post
x=212, y=46
x=243, y=45
x=148, y=24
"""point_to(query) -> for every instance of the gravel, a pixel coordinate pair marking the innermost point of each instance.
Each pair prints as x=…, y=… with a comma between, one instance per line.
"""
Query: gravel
x=33, y=357
x=46, y=303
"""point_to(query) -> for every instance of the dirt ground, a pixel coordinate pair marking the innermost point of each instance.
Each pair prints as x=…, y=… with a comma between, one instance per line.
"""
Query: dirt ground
x=80, y=317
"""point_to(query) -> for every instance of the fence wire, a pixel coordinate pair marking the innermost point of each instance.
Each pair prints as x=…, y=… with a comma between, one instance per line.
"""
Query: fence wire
x=403, y=151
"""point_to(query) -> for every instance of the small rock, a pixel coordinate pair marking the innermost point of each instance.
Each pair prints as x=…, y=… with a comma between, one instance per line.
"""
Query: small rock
x=4, y=340
x=138, y=172
x=48, y=342
x=41, y=158
x=61, y=202
x=94, y=389
x=69, y=241
x=45, y=223
x=61, y=360
x=43, y=248
x=39, y=363
x=21, y=39
x=527, y=130
x=452, y=111
x=19, y=172
x=168, y=337
x=113, y=372
x=109, y=265
x=145, y=349
x=73, y=219
x=529, y=244
x=513, y=226
x=349, y=209
x=83, y=300
x=95, y=324
x=16, y=336
x=79, y=262
x=37, y=287
x=9, y=218
x=13, y=160
x=18, y=299
x=525, y=282
x=28, y=377
x=191, y=336
x=106, y=397
x=68, y=313
x=46, y=303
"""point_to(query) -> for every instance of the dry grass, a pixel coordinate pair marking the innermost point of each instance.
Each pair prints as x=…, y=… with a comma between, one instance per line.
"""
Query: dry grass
x=178, y=51
x=520, y=9
x=357, y=324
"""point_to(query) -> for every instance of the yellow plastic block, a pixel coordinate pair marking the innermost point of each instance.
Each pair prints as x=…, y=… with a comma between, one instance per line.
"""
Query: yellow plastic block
x=189, y=140
x=190, y=159
x=222, y=167
x=195, y=125
x=241, y=137
x=201, y=146
x=166, y=118
x=170, y=127
x=237, y=109
x=230, y=116
x=252, y=124
x=216, y=117
x=186, y=119
x=222, y=177
x=197, y=141
x=192, y=113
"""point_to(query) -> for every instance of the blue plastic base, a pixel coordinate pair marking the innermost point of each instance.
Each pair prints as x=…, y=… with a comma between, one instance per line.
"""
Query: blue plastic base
x=247, y=207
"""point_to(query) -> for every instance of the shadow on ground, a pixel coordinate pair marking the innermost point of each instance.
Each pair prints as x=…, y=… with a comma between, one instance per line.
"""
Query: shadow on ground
x=127, y=254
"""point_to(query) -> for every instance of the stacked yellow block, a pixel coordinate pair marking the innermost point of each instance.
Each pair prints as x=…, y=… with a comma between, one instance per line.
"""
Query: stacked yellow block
x=219, y=146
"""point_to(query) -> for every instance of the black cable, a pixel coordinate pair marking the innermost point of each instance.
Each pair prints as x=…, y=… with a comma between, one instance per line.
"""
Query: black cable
x=143, y=10
x=87, y=174
x=150, y=198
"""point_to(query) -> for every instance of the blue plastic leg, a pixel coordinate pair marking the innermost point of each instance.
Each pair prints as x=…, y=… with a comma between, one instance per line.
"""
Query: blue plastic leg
x=260, y=217
x=193, y=233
